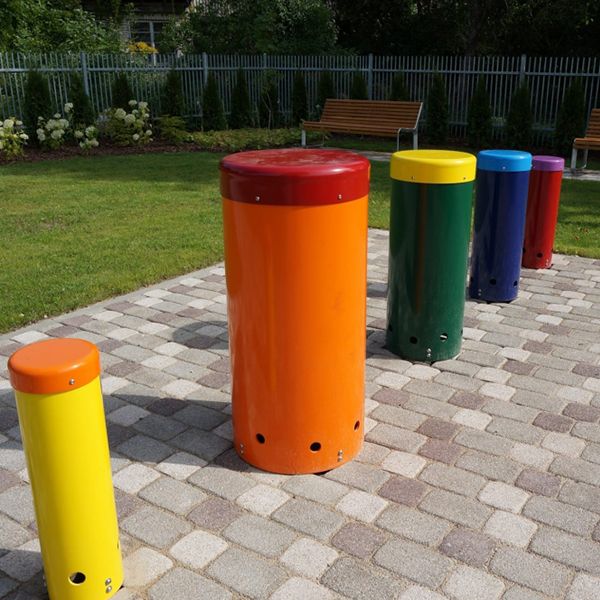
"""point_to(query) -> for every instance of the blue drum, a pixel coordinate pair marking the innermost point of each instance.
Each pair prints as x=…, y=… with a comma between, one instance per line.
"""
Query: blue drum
x=500, y=208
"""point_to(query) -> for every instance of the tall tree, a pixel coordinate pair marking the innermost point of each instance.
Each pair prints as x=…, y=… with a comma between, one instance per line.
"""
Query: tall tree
x=241, y=110
x=479, y=119
x=36, y=102
x=570, y=121
x=519, y=121
x=437, y=111
x=299, y=99
x=399, y=89
x=213, y=114
x=172, y=100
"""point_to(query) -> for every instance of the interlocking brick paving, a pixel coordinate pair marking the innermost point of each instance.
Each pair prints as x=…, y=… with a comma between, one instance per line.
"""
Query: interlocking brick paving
x=479, y=478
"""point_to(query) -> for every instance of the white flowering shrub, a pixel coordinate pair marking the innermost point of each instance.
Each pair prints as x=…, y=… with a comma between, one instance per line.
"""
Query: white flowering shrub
x=87, y=137
x=129, y=128
x=12, y=138
x=53, y=133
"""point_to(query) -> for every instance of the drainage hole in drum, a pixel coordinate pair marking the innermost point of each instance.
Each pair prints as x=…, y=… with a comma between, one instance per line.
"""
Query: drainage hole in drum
x=260, y=438
x=77, y=578
x=539, y=255
x=315, y=446
x=443, y=337
x=515, y=283
x=356, y=425
x=413, y=340
x=492, y=281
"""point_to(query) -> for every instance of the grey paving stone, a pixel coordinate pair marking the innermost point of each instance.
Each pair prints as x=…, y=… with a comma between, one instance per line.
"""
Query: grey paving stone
x=204, y=444
x=7, y=480
x=222, y=481
x=145, y=449
x=568, y=549
x=12, y=535
x=395, y=437
x=414, y=562
x=467, y=583
x=454, y=507
x=176, y=496
x=186, y=585
x=23, y=562
x=309, y=557
x=576, y=469
x=214, y=514
x=159, y=427
x=520, y=593
x=468, y=546
x=359, y=475
x=358, y=539
x=492, y=467
x=16, y=502
x=453, y=479
x=414, y=524
x=155, y=527
x=581, y=494
x=395, y=415
x=360, y=581
x=484, y=441
x=316, y=487
x=584, y=587
x=247, y=574
x=403, y=491
x=144, y=565
x=561, y=515
x=529, y=570
x=201, y=417
x=309, y=517
x=261, y=535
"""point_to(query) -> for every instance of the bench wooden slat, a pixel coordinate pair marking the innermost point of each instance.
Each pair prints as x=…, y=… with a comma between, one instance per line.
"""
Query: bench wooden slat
x=370, y=117
x=591, y=140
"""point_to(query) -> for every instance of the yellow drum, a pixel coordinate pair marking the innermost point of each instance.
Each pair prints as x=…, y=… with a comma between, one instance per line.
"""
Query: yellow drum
x=61, y=415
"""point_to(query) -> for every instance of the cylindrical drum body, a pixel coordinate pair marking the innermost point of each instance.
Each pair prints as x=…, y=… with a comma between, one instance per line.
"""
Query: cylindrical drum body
x=61, y=416
x=295, y=225
x=430, y=223
x=542, y=211
x=500, y=206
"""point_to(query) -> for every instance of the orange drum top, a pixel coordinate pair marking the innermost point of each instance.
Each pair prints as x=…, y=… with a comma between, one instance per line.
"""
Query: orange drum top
x=295, y=177
x=54, y=366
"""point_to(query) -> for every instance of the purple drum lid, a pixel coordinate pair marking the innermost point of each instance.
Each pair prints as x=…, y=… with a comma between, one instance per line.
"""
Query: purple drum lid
x=548, y=163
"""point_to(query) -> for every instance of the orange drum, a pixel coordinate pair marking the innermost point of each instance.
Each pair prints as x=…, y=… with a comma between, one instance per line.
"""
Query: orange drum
x=295, y=224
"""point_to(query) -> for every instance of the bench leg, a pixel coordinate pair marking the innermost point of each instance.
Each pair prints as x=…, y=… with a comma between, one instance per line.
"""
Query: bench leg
x=303, y=139
x=574, y=160
x=585, y=156
x=415, y=140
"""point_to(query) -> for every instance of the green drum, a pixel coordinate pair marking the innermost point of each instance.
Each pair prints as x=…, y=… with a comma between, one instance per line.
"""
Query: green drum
x=430, y=224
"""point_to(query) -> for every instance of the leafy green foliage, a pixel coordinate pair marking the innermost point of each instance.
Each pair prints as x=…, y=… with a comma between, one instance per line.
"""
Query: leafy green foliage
x=172, y=130
x=172, y=95
x=236, y=140
x=479, y=119
x=519, y=120
x=570, y=121
x=269, y=26
x=299, y=99
x=399, y=89
x=54, y=26
x=213, y=114
x=241, y=109
x=36, y=102
x=358, y=88
x=83, y=112
x=121, y=92
x=437, y=111
x=268, y=107
x=325, y=90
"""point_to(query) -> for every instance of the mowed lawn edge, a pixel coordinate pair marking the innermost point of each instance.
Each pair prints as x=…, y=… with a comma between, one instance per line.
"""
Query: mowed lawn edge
x=84, y=229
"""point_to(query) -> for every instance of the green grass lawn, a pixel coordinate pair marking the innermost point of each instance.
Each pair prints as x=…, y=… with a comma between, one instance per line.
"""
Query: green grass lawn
x=80, y=230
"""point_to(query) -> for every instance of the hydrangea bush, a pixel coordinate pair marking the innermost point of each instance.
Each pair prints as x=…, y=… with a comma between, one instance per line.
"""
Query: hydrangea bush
x=52, y=133
x=12, y=138
x=87, y=137
x=129, y=128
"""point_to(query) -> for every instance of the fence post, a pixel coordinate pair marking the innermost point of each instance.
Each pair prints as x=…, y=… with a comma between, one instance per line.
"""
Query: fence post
x=84, y=73
x=205, y=67
x=522, y=68
x=370, y=77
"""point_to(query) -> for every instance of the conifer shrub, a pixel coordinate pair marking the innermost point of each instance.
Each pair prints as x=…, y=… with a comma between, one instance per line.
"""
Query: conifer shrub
x=172, y=103
x=358, y=88
x=213, y=114
x=519, y=121
x=570, y=121
x=479, y=119
x=36, y=102
x=121, y=92
x=241, y=109
x=437, y=111
x=299, y=99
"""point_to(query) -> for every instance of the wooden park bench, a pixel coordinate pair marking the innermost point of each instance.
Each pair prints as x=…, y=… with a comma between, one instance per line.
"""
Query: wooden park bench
x=591, y=141
x=379, y=118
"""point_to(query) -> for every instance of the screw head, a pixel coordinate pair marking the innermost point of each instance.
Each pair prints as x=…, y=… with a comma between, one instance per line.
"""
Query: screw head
x=339, y=196
x=257, y=199
x=109, y=589
x=108, y=581
x=71, y=382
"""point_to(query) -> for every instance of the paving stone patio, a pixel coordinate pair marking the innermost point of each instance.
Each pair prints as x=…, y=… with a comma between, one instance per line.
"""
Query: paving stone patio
x=479, y=478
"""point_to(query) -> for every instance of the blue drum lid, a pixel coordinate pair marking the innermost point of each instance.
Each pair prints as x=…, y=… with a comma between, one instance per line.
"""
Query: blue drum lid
x=504, y=160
